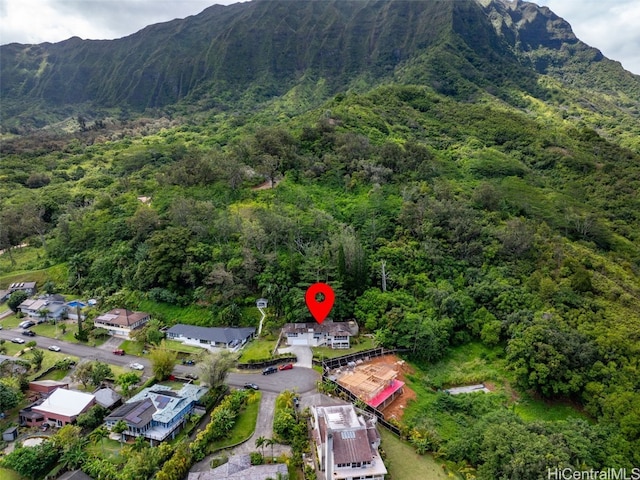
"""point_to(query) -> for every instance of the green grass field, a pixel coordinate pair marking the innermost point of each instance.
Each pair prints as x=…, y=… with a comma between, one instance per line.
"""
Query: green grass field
x=404, y=463
x=6, y=474
x=258, y=349
x=364, y=343
x=244, y=426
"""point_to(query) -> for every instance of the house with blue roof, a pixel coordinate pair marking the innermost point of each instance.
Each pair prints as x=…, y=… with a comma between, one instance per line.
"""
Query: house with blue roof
x=157, y=413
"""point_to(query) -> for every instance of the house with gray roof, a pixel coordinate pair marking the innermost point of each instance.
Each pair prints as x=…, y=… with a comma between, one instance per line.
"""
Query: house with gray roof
x=157, y=413
x=231, y=338
x=48, y=307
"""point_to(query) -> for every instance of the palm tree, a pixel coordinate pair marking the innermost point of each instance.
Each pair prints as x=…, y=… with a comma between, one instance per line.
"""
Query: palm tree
x=270, y=442
x=120, y=427
x=260, y=443
x=98, y=435
x=139, y=444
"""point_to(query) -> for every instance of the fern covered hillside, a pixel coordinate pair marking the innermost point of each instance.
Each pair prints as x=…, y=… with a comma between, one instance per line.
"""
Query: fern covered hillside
x=479, y=151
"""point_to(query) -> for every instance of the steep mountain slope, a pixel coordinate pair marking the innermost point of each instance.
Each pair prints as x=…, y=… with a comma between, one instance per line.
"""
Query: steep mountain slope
x=261, y=49
x=481, y=153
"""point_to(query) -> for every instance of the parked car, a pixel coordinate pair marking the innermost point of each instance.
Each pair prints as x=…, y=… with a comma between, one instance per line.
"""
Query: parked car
x=251, y=386
x=27, y=324
x=28, y=333
x=191, y=376
x=54, y=348
x=17, y=340
x=136, y=366
x=118, y=351
x=269, y=370
x=286, y=366
x=0, y=327
x=188, y=362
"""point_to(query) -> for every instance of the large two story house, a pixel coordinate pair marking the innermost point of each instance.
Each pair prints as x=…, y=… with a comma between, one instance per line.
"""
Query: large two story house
x=121, y=322
x=157, y=413
x=328, y=333
x=347, y=444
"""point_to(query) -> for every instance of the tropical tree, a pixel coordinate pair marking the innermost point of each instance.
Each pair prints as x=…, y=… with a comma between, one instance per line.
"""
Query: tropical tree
x=270, y=442
x=82, y=373
x=37, y=358
x=9, y=397
x=100, y=372
x=214, y=367
x=98, y=435
x=120, y=427
x=163, y=361
x=16, y=299
x=126, y=381
x=260, y=442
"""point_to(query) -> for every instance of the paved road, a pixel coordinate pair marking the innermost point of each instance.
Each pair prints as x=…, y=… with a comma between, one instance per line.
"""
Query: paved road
x=298, y=379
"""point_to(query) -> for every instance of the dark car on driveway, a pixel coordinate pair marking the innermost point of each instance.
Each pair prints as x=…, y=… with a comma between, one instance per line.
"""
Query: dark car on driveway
x=188, y=362
x=269, y=370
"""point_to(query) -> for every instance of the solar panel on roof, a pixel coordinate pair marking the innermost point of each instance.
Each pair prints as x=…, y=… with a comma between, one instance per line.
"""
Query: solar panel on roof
x=162, y=401
x=347, y=434
x=134, y=416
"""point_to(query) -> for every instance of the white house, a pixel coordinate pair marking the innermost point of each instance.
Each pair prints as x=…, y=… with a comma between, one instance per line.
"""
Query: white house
x=43, y=308
x=63, y=406
x=120, y=322
x=347, y=444
x=328, y=333
x=211, y=337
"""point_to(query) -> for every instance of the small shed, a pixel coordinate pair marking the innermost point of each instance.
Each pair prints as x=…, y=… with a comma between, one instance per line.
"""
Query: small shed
x=10, y=434
x=46, y=387
x=261, y=303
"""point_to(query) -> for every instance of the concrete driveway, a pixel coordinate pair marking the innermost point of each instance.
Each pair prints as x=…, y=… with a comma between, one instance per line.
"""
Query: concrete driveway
x=304, y=354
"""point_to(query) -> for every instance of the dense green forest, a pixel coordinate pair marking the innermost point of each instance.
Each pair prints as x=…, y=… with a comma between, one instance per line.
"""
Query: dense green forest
x=494, y=224
x=450, y=210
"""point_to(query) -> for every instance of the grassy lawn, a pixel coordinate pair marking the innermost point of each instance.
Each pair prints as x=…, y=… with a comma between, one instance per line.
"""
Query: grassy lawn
x=55, y=375
x=6, y=474
x=11, y=321
x=107, y=448
x=180, y=348
x=244, y=426
x=404, y=463
x=364, y=343
x=132, y=348
x=258, y=349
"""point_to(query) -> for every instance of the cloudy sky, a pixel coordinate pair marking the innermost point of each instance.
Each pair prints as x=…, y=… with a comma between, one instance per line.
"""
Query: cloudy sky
x=609, y=25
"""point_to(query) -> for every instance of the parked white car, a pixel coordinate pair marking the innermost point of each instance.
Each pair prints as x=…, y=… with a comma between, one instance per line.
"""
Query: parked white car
x=136, y=366
x=54, y=348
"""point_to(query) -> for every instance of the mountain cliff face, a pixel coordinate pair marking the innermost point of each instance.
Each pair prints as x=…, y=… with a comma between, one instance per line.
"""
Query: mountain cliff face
x=261, y=49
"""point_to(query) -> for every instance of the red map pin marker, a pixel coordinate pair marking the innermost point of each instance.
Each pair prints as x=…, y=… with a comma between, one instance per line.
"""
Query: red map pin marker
x=319, y=308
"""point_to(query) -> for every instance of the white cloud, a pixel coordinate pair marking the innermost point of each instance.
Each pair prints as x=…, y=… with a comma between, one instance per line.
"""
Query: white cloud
x=611, y=27
x=37, y=21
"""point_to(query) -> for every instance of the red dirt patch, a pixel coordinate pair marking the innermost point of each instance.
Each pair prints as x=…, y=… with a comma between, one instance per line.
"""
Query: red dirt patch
x=396, y=408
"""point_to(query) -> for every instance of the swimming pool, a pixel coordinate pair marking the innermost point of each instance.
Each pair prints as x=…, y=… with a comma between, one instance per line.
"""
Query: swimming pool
x=76, y=303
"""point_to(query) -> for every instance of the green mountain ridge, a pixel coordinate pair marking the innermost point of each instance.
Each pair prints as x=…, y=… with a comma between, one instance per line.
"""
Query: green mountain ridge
x=481, y=153
x=259, y=50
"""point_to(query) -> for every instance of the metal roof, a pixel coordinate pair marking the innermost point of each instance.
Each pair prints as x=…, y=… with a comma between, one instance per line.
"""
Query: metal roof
x=212, y=334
